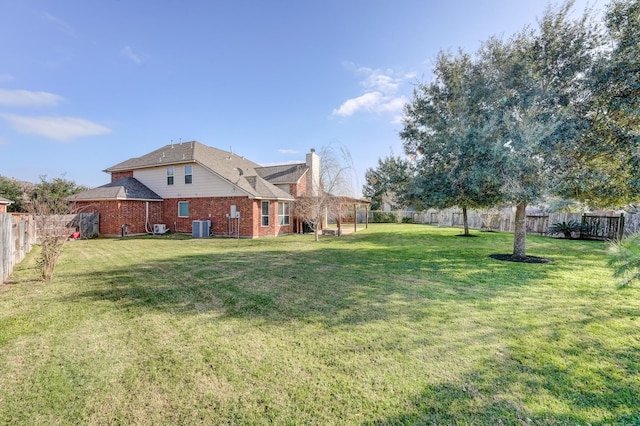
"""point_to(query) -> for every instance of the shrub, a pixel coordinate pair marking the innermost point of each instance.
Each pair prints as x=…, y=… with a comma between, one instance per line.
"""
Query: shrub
x=565, y=228
x=384, y=217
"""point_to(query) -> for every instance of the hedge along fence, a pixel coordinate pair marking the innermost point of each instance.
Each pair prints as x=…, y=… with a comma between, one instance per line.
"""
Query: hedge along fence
x=599, y=226
x=17, y=237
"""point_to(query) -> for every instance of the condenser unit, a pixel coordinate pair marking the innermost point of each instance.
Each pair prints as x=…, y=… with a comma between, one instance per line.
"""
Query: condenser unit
x=200, y=228
x=159, y=228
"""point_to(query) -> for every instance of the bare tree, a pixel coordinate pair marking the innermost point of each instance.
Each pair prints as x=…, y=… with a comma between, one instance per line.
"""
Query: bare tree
x=49, y=206
x=324, y=198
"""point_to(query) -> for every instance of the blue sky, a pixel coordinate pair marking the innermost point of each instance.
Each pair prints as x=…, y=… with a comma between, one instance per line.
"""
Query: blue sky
x=86, y=84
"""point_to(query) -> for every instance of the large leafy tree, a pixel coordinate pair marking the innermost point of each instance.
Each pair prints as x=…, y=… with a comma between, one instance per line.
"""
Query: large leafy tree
x=608, y=166
x=11, y=190
x=50, y=195
x=538, y=83
x=509, y=124
x=444, y=130
x=388, y=182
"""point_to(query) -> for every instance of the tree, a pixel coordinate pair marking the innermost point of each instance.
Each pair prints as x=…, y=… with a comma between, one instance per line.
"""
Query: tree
x=511, y=120
x=443, y=131
x=388, y=182
x=48, y=202
x=325, y=199
x=11, y=190
x=609, y=152
x=538, y=85
x=54, y=193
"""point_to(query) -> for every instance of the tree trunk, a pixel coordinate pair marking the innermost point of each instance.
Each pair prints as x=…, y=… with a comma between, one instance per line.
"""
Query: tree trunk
x=465, y=221
x=520, y=235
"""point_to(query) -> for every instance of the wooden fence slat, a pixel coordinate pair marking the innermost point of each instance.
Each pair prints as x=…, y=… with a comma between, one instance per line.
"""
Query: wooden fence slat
x=610, y=226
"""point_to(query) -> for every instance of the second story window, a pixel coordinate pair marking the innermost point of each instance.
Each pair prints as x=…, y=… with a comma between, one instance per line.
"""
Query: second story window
x=170, y=175
x=188, y=173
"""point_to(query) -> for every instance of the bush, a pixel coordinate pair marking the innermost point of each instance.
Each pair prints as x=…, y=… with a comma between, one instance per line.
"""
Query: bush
x=384, y=217
x=565, y=228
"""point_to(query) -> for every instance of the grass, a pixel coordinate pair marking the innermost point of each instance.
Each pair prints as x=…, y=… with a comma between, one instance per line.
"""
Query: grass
x=399, y=324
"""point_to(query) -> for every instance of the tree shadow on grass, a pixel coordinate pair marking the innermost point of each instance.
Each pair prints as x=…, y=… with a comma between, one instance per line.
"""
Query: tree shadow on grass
x=515, y=388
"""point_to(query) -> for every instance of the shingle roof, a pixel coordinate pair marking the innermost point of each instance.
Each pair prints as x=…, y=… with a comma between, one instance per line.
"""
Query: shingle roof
x=234, y=168
x=5, y=201
x=124, y=189
x=282, y=174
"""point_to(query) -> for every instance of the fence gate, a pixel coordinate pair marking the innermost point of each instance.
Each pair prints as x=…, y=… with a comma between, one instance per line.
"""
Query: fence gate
x=602, y=227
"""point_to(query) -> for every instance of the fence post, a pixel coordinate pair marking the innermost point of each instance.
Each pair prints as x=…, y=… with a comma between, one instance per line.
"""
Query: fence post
x=621, y=227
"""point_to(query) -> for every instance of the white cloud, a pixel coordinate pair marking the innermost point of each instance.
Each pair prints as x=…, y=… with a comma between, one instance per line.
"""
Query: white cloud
x=129, y=53
x=57, y=128
x=367, y=102
x=5, y=78
x=380, y=93
x=287, y=151
x=28, y=98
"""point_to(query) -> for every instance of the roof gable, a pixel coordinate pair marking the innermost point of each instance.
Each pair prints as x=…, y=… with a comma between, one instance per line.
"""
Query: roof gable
x=283, y=174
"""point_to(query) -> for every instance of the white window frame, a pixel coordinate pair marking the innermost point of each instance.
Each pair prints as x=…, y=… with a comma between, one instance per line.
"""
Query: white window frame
x=262, y=215
x=188, y=171
x=179, y=209
x=284, y=214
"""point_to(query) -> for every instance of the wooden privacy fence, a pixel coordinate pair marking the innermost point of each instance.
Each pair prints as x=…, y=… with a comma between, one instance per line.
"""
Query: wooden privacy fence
x=66, y=225
x=594, y=226
x=19, y=232
x=17, y=236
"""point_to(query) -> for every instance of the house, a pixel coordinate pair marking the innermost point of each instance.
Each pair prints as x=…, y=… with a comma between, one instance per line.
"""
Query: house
x=178, y=184
x=3, y=204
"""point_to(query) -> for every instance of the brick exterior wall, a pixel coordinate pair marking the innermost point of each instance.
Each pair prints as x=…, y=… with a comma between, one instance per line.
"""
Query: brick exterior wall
x=115, y=213
x=3, y=208
x=298, y=189
x=216, y=210
x=116, y=176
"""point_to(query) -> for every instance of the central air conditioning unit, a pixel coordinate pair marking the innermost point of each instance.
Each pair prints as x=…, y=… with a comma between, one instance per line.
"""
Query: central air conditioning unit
x=159, y=228
x=200, y=228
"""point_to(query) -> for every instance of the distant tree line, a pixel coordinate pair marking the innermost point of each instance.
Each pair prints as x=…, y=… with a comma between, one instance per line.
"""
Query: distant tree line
x=53, y=192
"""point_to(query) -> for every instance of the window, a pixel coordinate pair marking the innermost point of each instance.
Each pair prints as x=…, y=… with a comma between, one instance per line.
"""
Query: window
x=188, y=173
x=283, y=214
x=183, y=209
x=265, y=214
x=170, y=175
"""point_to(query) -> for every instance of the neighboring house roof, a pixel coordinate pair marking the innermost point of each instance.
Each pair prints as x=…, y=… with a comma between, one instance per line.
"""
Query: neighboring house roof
x=283, y=174
x=234, y=168
x=5, y=201
x=124, y=189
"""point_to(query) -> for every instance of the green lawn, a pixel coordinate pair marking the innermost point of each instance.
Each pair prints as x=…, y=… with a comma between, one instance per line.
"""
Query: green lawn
x=399, y=324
